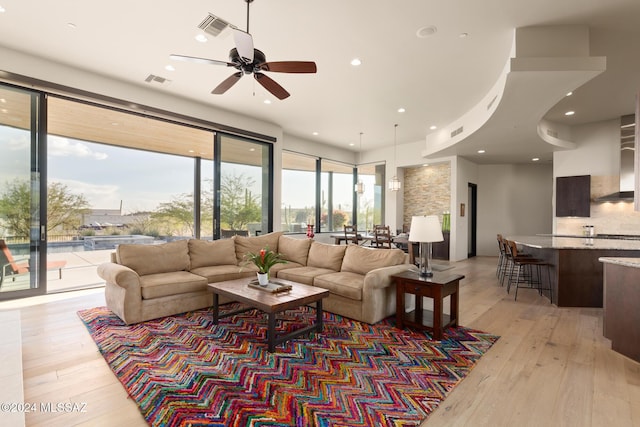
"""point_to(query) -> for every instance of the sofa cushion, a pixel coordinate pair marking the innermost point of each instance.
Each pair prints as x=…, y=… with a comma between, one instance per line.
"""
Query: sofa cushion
x=362, y=260
x=304, y=275
x=344, y=284
x=253, y=244
x=327, y=256
x=152, y=259
x=276, y=269
x=220, y=273
x=204, y=253
x=295, y=250
x=174, y=283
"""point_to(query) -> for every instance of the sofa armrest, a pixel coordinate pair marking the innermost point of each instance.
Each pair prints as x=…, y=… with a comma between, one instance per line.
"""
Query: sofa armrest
x=119, y=275
x=381, y=277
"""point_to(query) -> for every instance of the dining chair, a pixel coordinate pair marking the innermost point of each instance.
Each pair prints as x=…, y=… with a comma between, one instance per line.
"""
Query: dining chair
x=382, y=237
x=351, y=234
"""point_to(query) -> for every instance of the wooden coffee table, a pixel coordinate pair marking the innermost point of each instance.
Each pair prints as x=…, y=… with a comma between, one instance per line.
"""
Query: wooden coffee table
x=270, y=303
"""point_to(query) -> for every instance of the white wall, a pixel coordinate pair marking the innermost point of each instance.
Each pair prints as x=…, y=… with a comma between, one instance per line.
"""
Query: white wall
x=512, y=200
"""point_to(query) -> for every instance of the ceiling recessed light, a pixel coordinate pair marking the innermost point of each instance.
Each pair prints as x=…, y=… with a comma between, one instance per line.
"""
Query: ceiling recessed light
x=191, y=151
x=569, y=93
x=71, y=25
x=425, y=32
x=401, y=110
x=481, y=151
x=170, y=68
x=535, y=159
x=252, y=149
x=315, y=134
x=433, y=127
x=463, y=35
x=2, y=9
x=267, y=101
x=356, y=61
x=351, y=144
x=569, y=113
x=201, y=38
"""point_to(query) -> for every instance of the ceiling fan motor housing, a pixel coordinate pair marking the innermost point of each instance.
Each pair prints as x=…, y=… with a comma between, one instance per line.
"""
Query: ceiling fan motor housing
x=258, y=58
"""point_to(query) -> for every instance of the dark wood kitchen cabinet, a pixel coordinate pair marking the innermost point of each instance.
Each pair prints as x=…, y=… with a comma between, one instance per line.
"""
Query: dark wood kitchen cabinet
x=573, y=196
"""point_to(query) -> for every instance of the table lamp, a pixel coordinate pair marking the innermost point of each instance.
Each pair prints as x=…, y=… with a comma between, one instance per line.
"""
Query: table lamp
x=425, y=230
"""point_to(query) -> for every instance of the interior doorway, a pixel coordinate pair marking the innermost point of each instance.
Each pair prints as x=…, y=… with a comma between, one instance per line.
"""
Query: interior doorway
x=472, y=218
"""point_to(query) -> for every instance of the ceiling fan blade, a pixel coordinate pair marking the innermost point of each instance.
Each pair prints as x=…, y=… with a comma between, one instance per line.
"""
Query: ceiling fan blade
x=289, y=66
x=269, y=84
x=200, y=60
x=244, y=45
x=227, y=83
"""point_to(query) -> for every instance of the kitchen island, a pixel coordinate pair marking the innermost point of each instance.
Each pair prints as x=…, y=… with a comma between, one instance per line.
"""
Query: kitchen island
x=622, y=305
x=576, y=271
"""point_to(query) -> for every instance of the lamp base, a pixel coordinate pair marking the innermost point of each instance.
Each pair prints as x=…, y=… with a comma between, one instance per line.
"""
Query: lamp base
x=425, y=259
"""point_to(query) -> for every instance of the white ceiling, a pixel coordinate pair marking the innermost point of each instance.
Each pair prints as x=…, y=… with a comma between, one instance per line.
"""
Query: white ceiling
x=436, y=79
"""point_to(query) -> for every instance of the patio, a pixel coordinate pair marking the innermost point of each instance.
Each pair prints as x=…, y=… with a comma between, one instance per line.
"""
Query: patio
x=78, y=273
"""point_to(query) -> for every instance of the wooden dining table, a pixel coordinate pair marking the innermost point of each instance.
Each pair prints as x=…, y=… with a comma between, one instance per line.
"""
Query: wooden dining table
x=362, y=238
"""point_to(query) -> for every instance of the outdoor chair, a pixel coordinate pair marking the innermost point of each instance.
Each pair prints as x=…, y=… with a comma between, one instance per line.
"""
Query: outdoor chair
x=12, y=267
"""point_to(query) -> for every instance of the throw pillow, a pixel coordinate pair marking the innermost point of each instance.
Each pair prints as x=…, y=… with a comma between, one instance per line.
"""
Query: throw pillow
x=323, y=255
x=253, y=244
x=294, y=250
x=362, y=260
x=152, y=259
x=205, y=253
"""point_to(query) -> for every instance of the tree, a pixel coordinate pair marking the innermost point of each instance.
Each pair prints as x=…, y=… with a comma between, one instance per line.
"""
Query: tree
x=64, y=209
x=176, y=215
x=238, y=207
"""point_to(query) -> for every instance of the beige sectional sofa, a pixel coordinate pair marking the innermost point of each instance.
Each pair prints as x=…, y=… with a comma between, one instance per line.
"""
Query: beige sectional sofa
x=149, y=281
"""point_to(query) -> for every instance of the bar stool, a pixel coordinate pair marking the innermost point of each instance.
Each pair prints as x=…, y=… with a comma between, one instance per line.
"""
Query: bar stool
x=502, y=260
x=525, y=271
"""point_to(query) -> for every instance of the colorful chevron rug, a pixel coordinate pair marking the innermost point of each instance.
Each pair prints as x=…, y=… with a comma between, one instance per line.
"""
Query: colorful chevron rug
x=184, y=371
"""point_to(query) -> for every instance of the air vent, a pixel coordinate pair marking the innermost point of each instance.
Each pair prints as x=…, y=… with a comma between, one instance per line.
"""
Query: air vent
x=152, y=78
x=213, y=25
x=457, y=131
x=552, y=133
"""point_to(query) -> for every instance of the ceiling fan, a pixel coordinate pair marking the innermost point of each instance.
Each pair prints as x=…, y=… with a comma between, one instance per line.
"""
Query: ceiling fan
x=248, y=60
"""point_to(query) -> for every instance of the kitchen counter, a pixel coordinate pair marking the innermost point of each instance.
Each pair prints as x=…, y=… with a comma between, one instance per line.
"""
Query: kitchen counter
x=621, y=302
x=627, y=262
x=576, y=269
x=555, y=242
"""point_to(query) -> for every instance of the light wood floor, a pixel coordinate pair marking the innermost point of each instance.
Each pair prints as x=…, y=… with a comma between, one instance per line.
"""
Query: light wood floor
x=551, y=366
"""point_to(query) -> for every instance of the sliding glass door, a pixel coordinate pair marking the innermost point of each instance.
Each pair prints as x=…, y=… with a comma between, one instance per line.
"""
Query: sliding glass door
x=246, y=178
x=21, y=241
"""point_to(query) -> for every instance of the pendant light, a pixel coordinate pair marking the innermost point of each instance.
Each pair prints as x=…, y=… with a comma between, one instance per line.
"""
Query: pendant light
x=394, y=183
x=359, y=187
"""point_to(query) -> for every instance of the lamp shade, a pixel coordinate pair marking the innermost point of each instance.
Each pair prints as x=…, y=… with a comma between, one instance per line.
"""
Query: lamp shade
x=425, y=229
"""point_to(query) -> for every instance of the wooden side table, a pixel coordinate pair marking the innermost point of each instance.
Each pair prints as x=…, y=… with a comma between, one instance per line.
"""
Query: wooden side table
x=436, y=287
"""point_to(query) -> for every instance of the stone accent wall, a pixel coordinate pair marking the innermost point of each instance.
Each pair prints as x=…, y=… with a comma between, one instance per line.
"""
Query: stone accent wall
x=427, y=191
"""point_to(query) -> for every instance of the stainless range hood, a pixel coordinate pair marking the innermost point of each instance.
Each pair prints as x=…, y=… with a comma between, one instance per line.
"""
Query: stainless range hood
x=627, y=150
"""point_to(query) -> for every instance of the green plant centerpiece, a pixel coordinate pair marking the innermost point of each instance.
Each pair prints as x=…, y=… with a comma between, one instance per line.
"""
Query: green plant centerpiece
x=264, y=260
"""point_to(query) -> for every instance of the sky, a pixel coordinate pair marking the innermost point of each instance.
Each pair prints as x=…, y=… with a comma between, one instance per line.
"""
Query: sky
x=108, y=176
